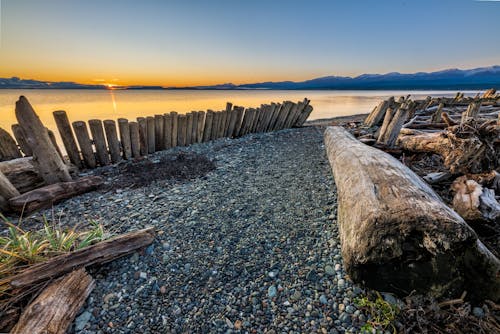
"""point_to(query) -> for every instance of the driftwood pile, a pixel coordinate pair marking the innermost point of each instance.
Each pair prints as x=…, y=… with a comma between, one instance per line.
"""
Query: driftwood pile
x=59, y=287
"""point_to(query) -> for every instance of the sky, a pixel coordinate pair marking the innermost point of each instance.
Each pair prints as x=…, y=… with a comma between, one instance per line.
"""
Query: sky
x=191, y=42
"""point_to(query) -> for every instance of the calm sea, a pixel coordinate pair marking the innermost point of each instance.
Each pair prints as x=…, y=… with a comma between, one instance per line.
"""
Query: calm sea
x=82, y=105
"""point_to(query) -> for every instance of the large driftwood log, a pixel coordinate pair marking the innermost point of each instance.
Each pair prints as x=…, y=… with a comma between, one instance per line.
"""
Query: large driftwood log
x=22, y=173
x=48, y=162
x=55, y=308
x=396, y=233
x=46, y=196
x=99, y=253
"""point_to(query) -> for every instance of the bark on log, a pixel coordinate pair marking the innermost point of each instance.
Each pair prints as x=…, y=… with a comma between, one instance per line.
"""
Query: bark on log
x=97, y=132
x=143, y=135
x=68, y=139
x=49, y=163
x=396, y=233
x=135, y=141
x=19, y=135
x=48, y=195
x=102, y=252
x=55, y=308
x=83, y=138
x=8, y=146
x=125, y=139
x=150, y=123
x=112, y=139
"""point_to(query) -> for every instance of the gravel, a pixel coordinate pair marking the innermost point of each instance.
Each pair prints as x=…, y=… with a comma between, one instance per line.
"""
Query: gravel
x=250, y=246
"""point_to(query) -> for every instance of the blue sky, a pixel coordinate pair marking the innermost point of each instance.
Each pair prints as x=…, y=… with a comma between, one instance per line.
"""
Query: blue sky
x=206, y=42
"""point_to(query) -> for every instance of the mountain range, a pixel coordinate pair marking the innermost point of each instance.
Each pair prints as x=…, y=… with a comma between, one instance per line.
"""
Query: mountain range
x=477, y=78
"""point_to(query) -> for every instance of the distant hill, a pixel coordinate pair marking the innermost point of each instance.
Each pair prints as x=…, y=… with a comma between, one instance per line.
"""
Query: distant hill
x=477, y=78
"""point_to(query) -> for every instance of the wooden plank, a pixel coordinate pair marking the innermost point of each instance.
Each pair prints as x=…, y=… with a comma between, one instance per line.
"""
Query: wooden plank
x=135, y=141
x=101, y=150
x=194, y=129
x=189, y=128
x=167, y=131
x=85, y=143
x=207, y=128
x=222, y=122
x=112, y=139
x=102, y=252
x=175, y=127
x=7, y=190
x=19, y=136
x=215, y=126
x=143, y=135
x=274, y=117
x=8, y=146
x=181, y=130
x=287, y=105
x=51, y=166
x=68, y=139
x=269, y=115
x=125, y=139
x=56, y=307
x=201, y=126
x=159, y=128
x=231, y=123
x=240, y=112
x=150, y=121
x=304, y=116
x=244, y=122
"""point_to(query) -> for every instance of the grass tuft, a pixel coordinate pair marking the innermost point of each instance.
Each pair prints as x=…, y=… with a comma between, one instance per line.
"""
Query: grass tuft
x=381, y=314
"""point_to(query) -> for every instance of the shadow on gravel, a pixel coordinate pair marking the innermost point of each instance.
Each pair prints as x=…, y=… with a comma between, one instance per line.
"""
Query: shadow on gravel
x=178, y=167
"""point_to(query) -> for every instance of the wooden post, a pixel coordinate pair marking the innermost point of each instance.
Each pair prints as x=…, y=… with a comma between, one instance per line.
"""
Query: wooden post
x=159, y=129
x=436, y=117
x=68, y=139
x=269, y=117
x=385, y=124
x=54, y=142
x=19, y=135
x=201, y=126
x=231, y=123
x=8, y=146
x=82, y=135
x=7, y=190
x=135, y=139
x=215, y=126
x=167, y=131
x=229, y=107
x=151, y=134
x=143, y=135
x=304, y=115
x=112, y=139
x=287, y=105
x=274, y=117
x=376, y=116
x=244, y=122
x=181, y=130
x=207, y=129
x=51, y=166
x=175, y=127
x=223, y=123
x=194, y=130
x=189, y=128
x=397, y=121
x=125, y=140
x=97, y=132
x=240, y=112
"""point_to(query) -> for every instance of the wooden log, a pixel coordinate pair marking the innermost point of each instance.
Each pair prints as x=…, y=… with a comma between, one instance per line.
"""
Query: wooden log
x=201, y=126
x=471, y=112
x=189, y=128
x=159, y=128
x=167, y=131
x=215, y=126
x=7, y=190
x=68, y=139
x=143, y=135
x=223, y=123
x=474, y=202
x=85, y=143
x=55, y=308
x=304, y=115
x=280, y=122
x=102, y=252
x=125, y=139
x=48, y=195
x=240, y=112
x=112, y=139
x=150, y=122
x=274, y=117
x=207, y=129
x=101, y=150
x=385, y=124
x=19, y=136
x=194, y=129
x=175, y=127
x=22, y=173
x=396, y=234
x=135, y=141
x=391, y=134
x=51, y=166
x=436, y=117
x=8, y=146
x=53, y=140
x=233, y=115
x=181, y=130
x=376, y=116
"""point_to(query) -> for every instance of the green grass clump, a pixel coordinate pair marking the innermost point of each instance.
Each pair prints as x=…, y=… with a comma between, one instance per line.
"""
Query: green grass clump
x=381, y=314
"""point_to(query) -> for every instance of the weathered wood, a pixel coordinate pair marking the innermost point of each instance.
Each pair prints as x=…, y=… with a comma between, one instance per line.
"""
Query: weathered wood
x=240, y=112
x=223, y=124
x=229, y=108
x=51, y=166
x=396, y=234
x=181, y=130
x=46, y=196
x=53, y=140
x=215, y=126
x=189, y=128
x=102, y=252
x=471, y=112
x=474, y=202
x=376, y=116
x=304, y=115
x=274, y=117
x=4, y=207
x=159, y=129
x=391, y=134
x=143, y=135
x=280, y=122
x=291, y=114
x=8, y=146
x=125, y=138
x=207, y=128
x=267, y=116
x=22, y=173
x=68, y=139
x=101, y=150
x=7, y=190
x=175, y=127
x=244, y=122
x=19, y=135
x=436, y=117
x=385, y=124
x=150, y=121
x=135, y=141
x=194, y=128
x=55, y=308
x=201, y=126
x=85, y=143
x=301, y=110
x=112, y=139
x=256, y=119
x=233, y=115
x=167, y=131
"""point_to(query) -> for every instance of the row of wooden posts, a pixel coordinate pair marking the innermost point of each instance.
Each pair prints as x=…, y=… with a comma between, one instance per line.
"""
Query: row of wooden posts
x=106, y=143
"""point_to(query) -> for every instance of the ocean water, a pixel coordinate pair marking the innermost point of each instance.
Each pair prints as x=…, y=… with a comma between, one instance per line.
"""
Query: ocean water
x=82, y=105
